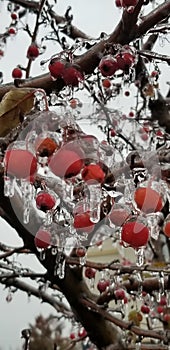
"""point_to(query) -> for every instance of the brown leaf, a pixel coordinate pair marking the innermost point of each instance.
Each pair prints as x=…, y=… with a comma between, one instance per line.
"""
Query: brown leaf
x=15, y=104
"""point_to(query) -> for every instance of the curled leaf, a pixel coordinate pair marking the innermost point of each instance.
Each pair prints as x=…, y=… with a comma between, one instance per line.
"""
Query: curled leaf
x=15, y=104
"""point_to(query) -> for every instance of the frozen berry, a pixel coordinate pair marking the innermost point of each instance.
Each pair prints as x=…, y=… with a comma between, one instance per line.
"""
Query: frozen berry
x=118, y=215
x=144, y=136
x=82, y=333
x=127, y=93
x=42, y=239
x=14, y=16
x=81, y=252
x=108, y=66
x=72, y=336
x=93, y=172
x=20, y=163
x=145, y=309
x=12, y=31
x=106, y=83
x=17, y=73
x=45, y=147
x=135, y=234
x=45, y=201
x=65, y=163
x=56, y=68
x=102, y=285
x=119, y=294
x=82, y=222
x=32, y=52
x=72, y=76
x=148, y=200
x=112, y=133
x=90, y=272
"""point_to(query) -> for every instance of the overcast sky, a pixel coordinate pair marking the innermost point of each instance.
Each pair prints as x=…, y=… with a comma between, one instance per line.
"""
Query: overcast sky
x=93, y=17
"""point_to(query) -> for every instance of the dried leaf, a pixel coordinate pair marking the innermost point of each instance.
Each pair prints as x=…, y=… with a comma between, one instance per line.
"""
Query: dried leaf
x=15, y=104
x=149, y=90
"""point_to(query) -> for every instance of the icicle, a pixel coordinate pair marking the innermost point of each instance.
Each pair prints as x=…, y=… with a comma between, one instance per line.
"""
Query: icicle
x=54, y=250
x=140, y=257
x=9, y=296
x=138, y=346
x=91, y=282
x=83, y=260
x=48, y=218
x=9, y=184
x=61, y=269
x=53, y=98
x=68, y=191
x=27, y=194
x=81, y=253
x=95, y=201
x=106, y=154
x=153, y=223
x=42, y=253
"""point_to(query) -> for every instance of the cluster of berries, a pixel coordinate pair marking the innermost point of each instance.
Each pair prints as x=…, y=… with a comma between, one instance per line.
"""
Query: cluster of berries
x=124, y=59
x=70, y=73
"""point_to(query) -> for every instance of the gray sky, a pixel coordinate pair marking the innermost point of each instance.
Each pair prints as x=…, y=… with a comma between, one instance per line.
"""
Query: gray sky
x=93, y=17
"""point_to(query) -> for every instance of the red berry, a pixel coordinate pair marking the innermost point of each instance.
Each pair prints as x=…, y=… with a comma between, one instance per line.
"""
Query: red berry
x=45, y=201
x=1, y=53
x=135, y=234
x=12, y=31
x=128, y=58
x=102, y=285
x=81, y=252
x=119, y=294
x=90, y=272
x=42, y=239
x=144, y=137
x=159, y=133
x=45, y=147
x=82, y=333
x=154, y=73
x=127, y=93
x=131, y=114
x=148, y=200
x=73, y=103
x=14, y=15
x=93, y=172
x=20, y=163
x=108, y=66
x=124, y=60
x=118, y=216
x=17, y=73
x=126, y=3
x=145, y=309
x=72, y=76
x=65, y=163
x=56, y=68
x=166, y=228
x=124, y=116
x=72, y=336
x=166, y=317
x=163, y=301
x=82, y=223
x=106, y=83
x=118, y=3
x=32, y=52
x=160, y=309
x=112, y=133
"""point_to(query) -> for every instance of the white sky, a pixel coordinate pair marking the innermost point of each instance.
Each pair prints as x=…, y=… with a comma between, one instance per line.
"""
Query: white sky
x=92, y=17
